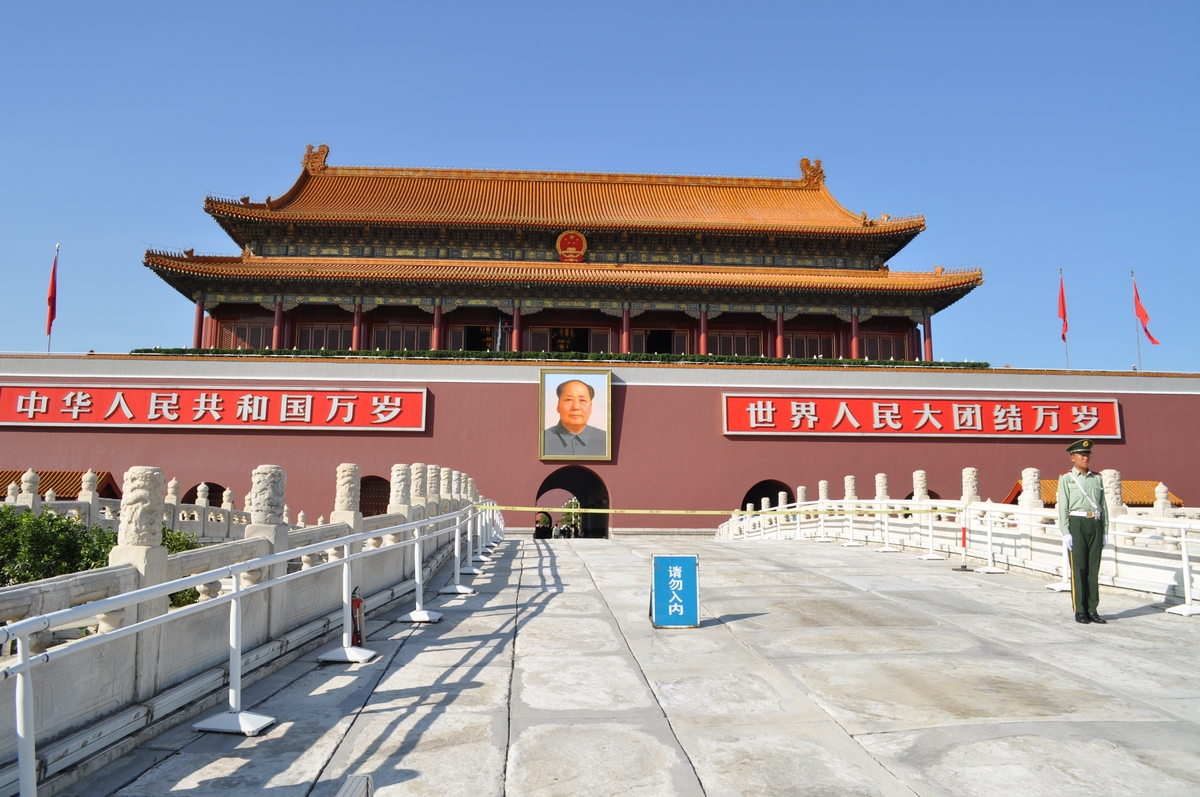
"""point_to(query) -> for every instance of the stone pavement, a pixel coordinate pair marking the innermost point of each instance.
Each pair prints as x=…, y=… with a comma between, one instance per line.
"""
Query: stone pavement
x=818, y=670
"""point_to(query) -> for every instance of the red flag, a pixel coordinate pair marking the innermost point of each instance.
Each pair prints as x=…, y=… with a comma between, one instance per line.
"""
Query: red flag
x=1141, y=314
x=52, y=295
x=1062, y=306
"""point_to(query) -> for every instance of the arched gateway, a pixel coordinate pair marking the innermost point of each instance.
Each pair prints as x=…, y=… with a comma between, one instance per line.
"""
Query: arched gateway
x=588, y=488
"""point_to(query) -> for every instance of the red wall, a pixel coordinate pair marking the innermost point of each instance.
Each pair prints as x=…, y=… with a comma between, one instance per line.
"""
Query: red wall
x=668, y=449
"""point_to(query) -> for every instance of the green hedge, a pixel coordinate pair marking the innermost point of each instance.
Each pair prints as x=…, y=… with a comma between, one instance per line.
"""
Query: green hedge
x=35, y=545
x=563, y=356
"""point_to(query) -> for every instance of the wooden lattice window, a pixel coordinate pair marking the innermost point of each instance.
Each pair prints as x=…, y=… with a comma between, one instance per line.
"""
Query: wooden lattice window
x=744, y=344
x=883, y=346
x=331, y=337
x=403, y=337
x=244, y=334
x=808, y=344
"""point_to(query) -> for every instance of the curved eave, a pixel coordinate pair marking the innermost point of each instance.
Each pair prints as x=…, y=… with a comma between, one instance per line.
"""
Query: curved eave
x=501, y=274
x=224, y=212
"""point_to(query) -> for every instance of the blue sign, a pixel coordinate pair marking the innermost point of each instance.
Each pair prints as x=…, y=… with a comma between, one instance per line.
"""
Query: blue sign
x=675, y=592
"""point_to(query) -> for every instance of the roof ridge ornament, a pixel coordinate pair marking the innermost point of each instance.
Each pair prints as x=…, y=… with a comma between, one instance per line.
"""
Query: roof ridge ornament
x=314, y=160
x=811, y=173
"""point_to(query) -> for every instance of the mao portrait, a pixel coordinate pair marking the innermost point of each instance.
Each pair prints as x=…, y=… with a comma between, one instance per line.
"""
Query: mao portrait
x=575, y=416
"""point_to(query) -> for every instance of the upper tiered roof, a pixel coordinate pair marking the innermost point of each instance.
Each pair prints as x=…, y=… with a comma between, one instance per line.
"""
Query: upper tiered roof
x=187, y=272
x=326, y=194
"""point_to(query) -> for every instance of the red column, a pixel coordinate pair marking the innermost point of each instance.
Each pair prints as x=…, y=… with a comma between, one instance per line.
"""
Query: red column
x=702, y=344
x=516, y=330
x=437, y=328
x=625, y=333
x=928, y=339
x=277, y=329
x=198, y=328
x=356, y=335
x=779, y=334
x=207, y=335
x=854, y=349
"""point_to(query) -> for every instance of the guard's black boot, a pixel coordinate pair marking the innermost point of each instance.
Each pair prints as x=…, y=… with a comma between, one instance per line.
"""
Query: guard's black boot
x=1095, y=618
x=1081, y=617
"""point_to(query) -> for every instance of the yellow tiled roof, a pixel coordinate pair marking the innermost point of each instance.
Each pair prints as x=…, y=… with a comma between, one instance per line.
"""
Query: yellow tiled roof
x=589, y=200
x=520, y=271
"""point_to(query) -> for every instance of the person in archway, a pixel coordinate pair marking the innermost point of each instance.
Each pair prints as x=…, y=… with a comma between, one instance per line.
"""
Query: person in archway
x=572, y=435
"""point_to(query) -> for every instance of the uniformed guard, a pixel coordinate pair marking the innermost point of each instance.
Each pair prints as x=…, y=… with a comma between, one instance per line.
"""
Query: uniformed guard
x=1083, y=516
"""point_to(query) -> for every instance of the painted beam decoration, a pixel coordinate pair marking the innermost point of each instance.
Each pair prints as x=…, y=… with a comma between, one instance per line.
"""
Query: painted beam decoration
x=908, y=416
x=218, y=407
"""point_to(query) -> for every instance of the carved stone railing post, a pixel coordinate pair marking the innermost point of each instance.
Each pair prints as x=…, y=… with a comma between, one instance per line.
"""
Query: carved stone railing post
x=419, y=475
x=445, y=492
x=881, y=487
x=89, y=496
x=13, y=492
x=823, y=490
x=433, y=482
x=851, y=486
x=399, y=499
x=227, y=500
x=172, y=492
x=268, y=488
x=346, y=503
x=456, y=488
x=920, y=486
x=29, y=491
x=801, y=494
x=139, y=543
x=1031, y=489
x=970, y=485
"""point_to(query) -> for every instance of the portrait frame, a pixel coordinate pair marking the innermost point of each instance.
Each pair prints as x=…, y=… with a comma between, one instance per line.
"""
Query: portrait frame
x=551, y=442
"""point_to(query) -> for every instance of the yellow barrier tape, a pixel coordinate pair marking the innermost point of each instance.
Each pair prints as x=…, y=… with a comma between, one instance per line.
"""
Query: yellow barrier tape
x=721, y=512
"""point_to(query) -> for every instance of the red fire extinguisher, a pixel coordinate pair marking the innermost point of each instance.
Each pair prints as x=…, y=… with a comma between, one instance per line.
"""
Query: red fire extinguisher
x=358, y=619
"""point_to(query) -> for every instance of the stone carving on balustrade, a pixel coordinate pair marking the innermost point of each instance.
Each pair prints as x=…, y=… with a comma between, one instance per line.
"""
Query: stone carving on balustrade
x=29, y=491
x=801, y=494
x=1114, y=498
x=227, y=499
x=472, y=493
x=401, y=487
x=447, y=486
x=456, y=483
x=823, y=490
x=13, y=492
x=266, y=499
x=1031, y=489
x=851, y=487
x=349, y=486
x=881, y=487
x=970, y=484
x=202, y=495
x=173, y=492
x=142, y=504
x=920, y=486
x=418, y=472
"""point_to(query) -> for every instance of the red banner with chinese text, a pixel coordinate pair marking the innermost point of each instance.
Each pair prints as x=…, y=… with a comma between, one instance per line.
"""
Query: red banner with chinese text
x=764, y=414
x=213, y=408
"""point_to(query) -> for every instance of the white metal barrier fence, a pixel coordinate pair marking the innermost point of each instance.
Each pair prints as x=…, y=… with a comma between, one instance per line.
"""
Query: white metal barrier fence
x=1148, y=554
x=479, y=527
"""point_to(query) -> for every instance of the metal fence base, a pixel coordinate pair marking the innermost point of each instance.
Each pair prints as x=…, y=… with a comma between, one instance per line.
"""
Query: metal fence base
x=421, y=616
x=242, y=722
x=351, y=655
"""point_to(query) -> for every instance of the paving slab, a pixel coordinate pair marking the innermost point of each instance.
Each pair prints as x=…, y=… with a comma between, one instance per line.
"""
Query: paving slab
x=816, y=670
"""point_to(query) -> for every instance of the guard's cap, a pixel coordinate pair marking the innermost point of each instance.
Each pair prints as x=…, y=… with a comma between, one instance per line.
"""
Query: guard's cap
x=1080, y=447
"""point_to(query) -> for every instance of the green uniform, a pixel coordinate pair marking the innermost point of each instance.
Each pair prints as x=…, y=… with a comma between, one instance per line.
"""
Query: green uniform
x=1087, y=523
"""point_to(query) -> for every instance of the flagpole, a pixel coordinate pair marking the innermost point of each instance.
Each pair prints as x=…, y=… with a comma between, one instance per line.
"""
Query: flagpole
x=1136, y=334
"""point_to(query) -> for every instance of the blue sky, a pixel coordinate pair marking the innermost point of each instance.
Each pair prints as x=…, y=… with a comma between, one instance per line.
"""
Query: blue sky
x=1033, y=137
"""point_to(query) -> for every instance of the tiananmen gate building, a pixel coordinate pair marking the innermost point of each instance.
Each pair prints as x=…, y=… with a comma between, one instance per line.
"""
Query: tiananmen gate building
x=319, y=344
